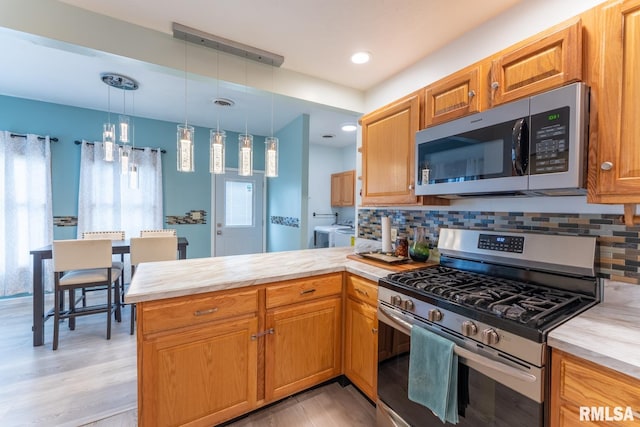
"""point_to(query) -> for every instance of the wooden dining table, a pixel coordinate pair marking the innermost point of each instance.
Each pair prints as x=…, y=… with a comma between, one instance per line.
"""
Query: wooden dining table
x=119, y=247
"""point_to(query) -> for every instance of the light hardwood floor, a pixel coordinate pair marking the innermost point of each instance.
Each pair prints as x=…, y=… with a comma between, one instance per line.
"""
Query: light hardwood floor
x=92, y=381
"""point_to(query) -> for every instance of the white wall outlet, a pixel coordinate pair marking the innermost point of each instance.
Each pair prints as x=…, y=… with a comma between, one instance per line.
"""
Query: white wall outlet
x=394, y=234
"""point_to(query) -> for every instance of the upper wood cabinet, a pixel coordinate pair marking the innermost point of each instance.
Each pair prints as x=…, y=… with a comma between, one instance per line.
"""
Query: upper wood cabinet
x=549, y=60
x=614, y=172
x=388, y=147
x=454, y=96
x=343, y=186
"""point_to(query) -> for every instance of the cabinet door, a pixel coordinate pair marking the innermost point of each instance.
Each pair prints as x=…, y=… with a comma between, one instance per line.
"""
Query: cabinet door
x=579, y=383
x=305, y=346
x=388, y=144
x=343, y=188
x=336, y=189
x=452, y=97
x=361, y=346
x=551, y=61
x=348, y=189
x=201, y=376
x=616, y=171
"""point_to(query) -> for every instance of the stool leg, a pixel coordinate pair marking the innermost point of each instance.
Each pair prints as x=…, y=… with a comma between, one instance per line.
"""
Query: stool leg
x=56, y=314
x=133, y=317
x=110, y=307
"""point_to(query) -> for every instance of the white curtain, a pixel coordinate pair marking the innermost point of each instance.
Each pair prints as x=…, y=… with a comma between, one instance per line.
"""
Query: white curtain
x=26, y=218
x=105, y=201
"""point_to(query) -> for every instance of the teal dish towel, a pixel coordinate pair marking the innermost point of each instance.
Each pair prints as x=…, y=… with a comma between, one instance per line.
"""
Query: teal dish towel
x=433, y=374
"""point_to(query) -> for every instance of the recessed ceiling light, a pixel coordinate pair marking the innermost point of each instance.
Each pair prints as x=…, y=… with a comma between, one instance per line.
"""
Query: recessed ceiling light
x=349, y=127
x=360, y=57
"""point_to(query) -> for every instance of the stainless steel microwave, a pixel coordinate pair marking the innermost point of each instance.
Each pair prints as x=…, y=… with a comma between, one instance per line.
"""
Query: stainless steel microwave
x=534, y=146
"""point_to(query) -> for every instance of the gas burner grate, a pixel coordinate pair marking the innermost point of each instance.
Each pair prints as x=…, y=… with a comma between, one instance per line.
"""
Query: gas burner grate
x=525, y=303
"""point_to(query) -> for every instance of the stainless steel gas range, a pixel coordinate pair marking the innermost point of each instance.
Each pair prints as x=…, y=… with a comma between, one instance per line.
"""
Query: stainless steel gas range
x=496, y=296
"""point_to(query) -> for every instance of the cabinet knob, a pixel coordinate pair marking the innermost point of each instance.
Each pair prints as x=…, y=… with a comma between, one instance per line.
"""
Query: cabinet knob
x=410, y=186
x=472, y=93
x=606, y=166
x=495, y=85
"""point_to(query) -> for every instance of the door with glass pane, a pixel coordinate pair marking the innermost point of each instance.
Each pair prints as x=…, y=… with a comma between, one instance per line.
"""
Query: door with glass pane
x=238, y=224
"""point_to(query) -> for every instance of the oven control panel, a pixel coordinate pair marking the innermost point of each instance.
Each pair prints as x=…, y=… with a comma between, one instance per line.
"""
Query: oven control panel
x=502, y=243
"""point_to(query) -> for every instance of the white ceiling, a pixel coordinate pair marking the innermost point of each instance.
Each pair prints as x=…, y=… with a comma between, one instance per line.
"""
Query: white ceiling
x=316, y=39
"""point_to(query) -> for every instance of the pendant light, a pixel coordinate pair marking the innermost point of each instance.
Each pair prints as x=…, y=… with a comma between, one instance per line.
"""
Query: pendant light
x=245, y=140
x=133, y=166
x=271, y=144
x=217, y=137
x=123, y=121
x=108, y=133
x=186, y=133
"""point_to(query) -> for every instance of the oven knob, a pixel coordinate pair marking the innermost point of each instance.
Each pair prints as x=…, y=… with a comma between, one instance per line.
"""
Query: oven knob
x=469, y=328
x=396, y=300
x=490, y=337
x=408, y=305
x=434, y=315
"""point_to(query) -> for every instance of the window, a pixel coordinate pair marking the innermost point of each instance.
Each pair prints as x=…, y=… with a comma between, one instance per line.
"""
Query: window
x=239, y=203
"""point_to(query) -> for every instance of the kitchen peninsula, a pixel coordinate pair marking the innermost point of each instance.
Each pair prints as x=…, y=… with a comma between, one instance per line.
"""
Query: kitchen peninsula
x=217, y=336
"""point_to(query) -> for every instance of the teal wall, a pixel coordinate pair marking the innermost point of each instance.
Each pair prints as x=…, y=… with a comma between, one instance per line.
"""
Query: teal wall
x=287, y=194
x=182, y=191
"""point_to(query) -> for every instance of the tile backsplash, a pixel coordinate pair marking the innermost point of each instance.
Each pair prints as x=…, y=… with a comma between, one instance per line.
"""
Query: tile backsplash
x=618, y=246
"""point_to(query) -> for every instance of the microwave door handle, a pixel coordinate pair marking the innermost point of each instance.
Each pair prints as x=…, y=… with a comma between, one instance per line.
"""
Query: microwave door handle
x=464, y=353
x=520, y=147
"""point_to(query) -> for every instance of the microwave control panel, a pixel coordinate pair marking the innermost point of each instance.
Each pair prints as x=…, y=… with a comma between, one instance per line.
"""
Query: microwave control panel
x=550, y=141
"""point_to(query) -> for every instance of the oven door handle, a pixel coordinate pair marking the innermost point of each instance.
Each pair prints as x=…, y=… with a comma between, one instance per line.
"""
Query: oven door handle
x=466, y=354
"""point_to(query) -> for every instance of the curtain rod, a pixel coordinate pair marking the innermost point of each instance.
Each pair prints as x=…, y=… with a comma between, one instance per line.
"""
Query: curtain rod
x=19, y=135
x=135, y=148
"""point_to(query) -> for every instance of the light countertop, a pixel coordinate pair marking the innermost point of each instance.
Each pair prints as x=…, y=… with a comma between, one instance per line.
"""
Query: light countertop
x=168, y=279
x=607, y=334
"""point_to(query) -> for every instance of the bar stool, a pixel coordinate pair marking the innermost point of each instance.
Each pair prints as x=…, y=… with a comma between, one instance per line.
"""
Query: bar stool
x=149, y=249
x=78, y=264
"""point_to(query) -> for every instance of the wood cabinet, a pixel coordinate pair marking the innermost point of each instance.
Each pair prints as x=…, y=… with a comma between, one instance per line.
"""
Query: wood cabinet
x=454, y=96
x=546, y=61
x=361, y=335
x=343, y=186
x=388, y=153
x=579, y=383
x=203, y=369
x=614, y=173
x=304, y=344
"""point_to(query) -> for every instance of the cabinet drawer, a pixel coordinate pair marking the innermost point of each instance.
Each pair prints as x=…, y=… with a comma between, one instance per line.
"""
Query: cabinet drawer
x=193, y=310
x=362, y=289
x=299, y=290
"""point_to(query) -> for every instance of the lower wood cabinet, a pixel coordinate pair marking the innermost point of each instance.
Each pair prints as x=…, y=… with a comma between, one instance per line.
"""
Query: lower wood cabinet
x=200, y=376
x=361, y=335
x=584, y=393
x=208, y=358
x=305, y=346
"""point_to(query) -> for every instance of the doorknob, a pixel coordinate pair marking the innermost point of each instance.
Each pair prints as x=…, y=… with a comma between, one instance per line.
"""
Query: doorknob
x=219, y=232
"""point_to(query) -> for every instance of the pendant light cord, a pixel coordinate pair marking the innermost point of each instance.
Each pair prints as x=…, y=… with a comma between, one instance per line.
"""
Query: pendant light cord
x=185, y=81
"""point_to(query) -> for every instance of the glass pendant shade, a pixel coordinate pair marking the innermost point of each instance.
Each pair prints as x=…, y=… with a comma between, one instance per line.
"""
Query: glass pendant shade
x=271, y=157
x=185, y=148
x=216, y=151
x=123, y=124
x=245, y=155
x=108, y=141
x=133, y=176
x=125, y=156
